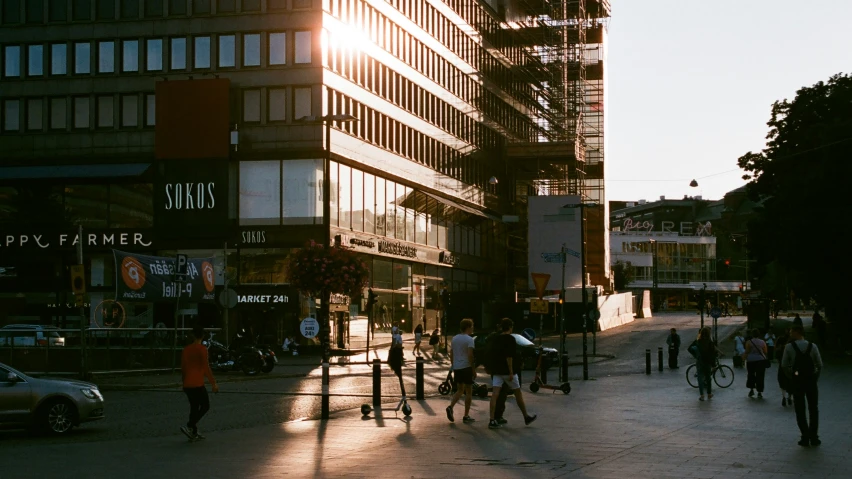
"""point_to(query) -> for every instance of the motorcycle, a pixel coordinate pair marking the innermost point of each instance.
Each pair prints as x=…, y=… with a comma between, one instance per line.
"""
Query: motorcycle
x=247, y=358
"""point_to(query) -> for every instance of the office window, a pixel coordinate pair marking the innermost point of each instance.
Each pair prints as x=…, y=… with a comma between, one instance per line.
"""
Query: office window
x=130, y=56
x=154, y=55
x=277, y=105
x=129, y=8
x=129, y=110
x=81, y=9
x=202, y=52
x=226, y=6
x=303, y=47
x=35, y=60
x=251, y=105
x=58, y=59
x=178, y=53
x=105, y=9
x=82, y=58
x=150, y=109
x=301, y=3
x=301, y=102
x=301, y=195
x=227, y=47
x=58, y=113
x=251, y=50
x=200, y=6
x=276, y=4
x=11, y=115
x=35, y=11
x=277, y=48
x=154, y=8
x=106, y=113
x=251, y=5
x=11, y=11
x=177, y=7
x=260, y=192
x=81, y=112
x=12, y=61
x=106, y=57
x=35, y=114
x=57, y=10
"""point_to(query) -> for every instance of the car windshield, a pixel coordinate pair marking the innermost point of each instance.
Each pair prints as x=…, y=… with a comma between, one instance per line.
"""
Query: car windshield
x=522, y=341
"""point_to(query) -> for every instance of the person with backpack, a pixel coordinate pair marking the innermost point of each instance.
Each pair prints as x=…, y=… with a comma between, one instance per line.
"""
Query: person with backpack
x=803, y=365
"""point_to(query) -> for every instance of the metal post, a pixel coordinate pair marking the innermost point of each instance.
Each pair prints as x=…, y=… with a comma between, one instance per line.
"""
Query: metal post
x=647, y=361
x=325, y=407
x=83, y=319
x=419, y=390
x=326, y=218
x=563, y=371
x=583, y=285
x=377, y=382
x=595, y=328
x=564, y=364
x=225, y=276
x=660, y=359
x=175, y=332
x=701, y=305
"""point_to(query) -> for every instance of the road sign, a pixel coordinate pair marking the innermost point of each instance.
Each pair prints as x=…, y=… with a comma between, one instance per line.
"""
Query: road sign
x=715, y=313
x=594, y=315
x=228, y=298
x=309, y=327
x=540, y=281
x=553, y=257
x=573, y=253
x=539, y=306
x=181, y=268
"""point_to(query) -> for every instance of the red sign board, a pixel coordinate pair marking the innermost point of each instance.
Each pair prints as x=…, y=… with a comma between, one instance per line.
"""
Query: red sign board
x=540, y=280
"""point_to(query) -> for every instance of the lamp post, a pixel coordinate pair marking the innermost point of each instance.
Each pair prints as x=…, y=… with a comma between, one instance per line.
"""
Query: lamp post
x=582, y=207
x=654, y=271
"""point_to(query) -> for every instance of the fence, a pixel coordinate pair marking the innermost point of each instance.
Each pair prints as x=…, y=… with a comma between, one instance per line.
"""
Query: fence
x=104, y=349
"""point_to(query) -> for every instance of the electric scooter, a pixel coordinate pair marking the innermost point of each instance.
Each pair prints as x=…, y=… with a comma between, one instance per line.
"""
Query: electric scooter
x=537, y=382
x=449, y=385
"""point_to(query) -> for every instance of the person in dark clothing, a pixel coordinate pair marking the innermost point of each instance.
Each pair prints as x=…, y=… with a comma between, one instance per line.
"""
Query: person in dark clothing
x=803, y=364
x=705, y=360
x=504, y=368
x=503, y=392
x=195, y=367
x=820, y=326
x=674, y=348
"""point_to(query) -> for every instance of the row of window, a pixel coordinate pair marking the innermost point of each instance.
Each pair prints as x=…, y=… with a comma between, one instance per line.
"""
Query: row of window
x=276, y=104
x=39, y=11
x=79, y=112
x=152, y=54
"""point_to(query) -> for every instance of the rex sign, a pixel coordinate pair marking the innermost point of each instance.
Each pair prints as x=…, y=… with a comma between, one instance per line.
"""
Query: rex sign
x=152, y=278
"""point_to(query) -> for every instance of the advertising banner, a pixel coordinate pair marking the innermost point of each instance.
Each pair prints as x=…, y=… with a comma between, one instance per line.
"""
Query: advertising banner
x=151, y=279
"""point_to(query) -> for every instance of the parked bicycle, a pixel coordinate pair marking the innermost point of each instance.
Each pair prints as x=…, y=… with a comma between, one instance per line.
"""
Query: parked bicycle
x=722, y=374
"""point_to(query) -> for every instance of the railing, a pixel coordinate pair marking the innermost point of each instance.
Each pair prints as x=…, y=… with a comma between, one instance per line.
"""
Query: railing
x=104, y=349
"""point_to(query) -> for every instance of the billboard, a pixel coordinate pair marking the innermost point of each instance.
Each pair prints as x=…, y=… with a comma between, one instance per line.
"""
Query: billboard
x=552, y=226
x=151, y=279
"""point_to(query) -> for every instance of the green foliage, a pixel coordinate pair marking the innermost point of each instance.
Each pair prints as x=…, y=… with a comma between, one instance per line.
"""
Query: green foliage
x=623, y=274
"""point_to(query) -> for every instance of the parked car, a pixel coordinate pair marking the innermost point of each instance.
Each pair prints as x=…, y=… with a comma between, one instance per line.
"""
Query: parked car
x=30, y=335
x=529, y=351
x=54, y=405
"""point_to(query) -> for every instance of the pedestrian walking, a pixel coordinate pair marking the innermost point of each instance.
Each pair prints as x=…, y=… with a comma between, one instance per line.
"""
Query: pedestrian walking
x=739, y=349
x=504, y=372
x=820, y=326
x=418, y=336
x=783, y=380
x=797, y=321
x=434, y=339
x=503, y=392
x=194, y=367
x=803, y=365
x=396, y=356
x=704, y=352
x=674, y=348
x=461, y=359
x=756, y=363
x=769, y=338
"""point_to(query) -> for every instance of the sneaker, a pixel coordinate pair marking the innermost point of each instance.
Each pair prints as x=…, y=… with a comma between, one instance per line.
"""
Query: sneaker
x=804, y=442
x=199, y=437
x=759, y=395
x=529, y=419
x=784, y=402
x=751, y=393
x=187, y=432
x=468, y=420
x=450, y=414
x=815, y=441
x=500, y=420
x=700, y=398
x=709, y=396
x=493, y=424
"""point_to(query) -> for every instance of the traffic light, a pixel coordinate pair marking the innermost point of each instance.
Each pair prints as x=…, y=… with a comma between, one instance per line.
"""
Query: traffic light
x=78, y=279
x=727, y=262
x=371, y=299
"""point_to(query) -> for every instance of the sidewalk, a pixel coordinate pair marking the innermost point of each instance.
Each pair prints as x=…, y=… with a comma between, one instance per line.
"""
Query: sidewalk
x=629, y=426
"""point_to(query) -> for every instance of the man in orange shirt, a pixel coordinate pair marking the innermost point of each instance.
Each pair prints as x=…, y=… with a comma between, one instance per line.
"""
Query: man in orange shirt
x=195, y=367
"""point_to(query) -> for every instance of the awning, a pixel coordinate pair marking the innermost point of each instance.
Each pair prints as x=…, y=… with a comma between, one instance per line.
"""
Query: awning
x=466, y=209
x=73, y=171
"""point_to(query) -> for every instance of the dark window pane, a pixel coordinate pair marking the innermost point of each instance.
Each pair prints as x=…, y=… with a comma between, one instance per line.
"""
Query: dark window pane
x=276, y=4
x=226, y=6
x=251, y=5
x=177, y=7
x=131, y=206
x=35, y=11
x=12, y=11
x=82, y=9
x=87, y=205
x=58, y=10
x=129, y=8
x=200, y=6
x=105, y=10
x=153, y=8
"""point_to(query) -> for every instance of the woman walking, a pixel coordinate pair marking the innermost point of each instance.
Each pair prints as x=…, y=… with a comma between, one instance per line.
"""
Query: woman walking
x=705, y=356
x=418, y=336
x=756, y=360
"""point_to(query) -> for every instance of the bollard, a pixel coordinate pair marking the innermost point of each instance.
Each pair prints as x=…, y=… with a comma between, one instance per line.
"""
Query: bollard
x=543, y=374
x=647, y=361
x=420, y=394
x=564, y=368
x=325, y=406
x=377, y=382
x=660, y=359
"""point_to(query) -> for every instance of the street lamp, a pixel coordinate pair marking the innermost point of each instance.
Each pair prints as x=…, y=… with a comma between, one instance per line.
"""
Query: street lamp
x=582, y=207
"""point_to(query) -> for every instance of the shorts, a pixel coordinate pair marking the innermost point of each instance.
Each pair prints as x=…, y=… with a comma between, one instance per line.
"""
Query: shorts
x=498, y=379
x=463, y=376
x=418, y=337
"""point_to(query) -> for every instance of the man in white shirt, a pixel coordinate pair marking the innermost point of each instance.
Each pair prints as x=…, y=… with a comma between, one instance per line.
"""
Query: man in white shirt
x=461, y=356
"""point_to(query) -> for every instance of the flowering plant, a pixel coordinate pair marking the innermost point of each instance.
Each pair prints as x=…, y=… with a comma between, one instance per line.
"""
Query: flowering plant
x=317, y=270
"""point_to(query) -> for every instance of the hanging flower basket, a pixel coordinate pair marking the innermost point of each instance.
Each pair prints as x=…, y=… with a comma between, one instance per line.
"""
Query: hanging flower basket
x=316, y=270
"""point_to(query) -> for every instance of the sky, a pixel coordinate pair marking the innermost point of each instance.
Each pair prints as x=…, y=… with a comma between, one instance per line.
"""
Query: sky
x=691, y=84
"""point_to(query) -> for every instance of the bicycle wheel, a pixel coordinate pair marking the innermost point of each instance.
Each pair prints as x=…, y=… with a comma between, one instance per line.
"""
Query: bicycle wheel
x=723, y=376
x=692, y=376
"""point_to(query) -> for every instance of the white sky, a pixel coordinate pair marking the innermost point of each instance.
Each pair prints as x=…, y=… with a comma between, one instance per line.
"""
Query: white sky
x=691, y=83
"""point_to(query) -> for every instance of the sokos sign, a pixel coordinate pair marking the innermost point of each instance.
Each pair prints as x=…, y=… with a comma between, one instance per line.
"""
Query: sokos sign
x=192, y=199
x=190, y=196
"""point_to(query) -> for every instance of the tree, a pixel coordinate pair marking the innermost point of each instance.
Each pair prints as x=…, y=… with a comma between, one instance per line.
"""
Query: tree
x=802, y=176
x=623, y=273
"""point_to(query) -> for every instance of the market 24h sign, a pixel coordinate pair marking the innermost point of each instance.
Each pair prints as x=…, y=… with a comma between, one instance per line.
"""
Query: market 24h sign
x=151, y=279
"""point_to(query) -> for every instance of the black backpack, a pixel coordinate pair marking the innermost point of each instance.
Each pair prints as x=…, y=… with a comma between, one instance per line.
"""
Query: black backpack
x=804, y=371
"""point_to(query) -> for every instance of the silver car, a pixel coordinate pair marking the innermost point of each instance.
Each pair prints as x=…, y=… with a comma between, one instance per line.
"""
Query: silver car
x=55, y=405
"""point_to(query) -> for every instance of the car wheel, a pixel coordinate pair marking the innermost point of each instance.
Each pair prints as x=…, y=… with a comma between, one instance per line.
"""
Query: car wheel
x=58, y=416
